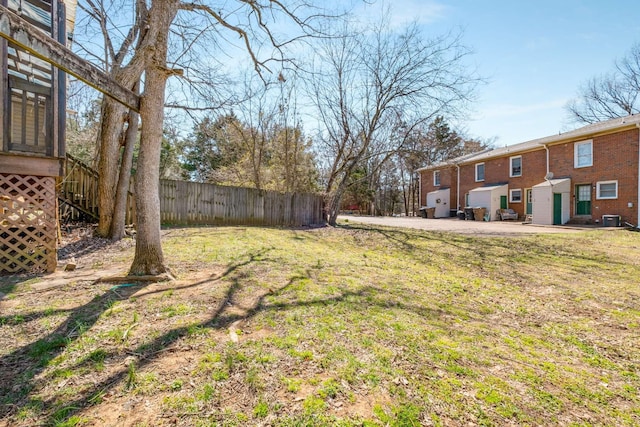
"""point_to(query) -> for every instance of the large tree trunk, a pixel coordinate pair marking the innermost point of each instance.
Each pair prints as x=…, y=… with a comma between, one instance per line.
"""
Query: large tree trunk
x=148, y=255
x=335, y=199
x=110, y=131
x=112, y=118
x=122, y=192
x=332, y=208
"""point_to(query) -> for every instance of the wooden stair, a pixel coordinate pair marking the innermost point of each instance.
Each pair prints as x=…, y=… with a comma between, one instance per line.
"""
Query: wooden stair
x=78, y=192
x=79, y=188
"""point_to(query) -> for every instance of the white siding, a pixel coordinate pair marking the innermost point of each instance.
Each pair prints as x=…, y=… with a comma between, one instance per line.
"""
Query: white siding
x=442, y=208
x=543, y=200
x=488, y=197
x=542, y=205
x=566, y=206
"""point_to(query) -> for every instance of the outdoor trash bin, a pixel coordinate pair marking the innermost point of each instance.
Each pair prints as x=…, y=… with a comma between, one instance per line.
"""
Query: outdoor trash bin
x=423, y=212
x=478, y=213
x=460, y=214
x=431, y=213
x=468, y=214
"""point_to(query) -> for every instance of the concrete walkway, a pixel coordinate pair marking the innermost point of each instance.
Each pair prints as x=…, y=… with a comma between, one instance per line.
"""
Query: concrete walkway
x=476, y=228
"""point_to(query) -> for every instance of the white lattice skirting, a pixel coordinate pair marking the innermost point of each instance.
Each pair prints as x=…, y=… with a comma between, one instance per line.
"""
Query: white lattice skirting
x=27, y=223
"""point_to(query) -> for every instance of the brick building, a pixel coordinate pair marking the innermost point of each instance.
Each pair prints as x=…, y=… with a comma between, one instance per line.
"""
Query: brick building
x=588, y=175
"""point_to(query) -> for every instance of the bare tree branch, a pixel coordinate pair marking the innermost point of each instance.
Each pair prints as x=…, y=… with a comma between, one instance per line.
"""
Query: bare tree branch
x=241, y=33
x=371, y=82
x=612, y=95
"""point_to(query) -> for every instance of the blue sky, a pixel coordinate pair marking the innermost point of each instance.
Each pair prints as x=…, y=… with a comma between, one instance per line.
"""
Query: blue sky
x=535, y=55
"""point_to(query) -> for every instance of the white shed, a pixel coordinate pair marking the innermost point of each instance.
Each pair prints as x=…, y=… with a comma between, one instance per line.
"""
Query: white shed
x=552, y=202
x=439, y=199
x=488, y=197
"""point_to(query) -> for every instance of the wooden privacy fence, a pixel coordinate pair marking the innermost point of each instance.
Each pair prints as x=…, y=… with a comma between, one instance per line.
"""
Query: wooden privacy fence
x=192, y=203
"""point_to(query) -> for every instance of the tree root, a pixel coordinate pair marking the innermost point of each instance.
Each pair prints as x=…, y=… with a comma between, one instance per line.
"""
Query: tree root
x=164, y=277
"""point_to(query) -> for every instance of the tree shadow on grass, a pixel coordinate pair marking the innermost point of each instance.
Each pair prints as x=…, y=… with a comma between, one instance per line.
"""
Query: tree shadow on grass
x=19, y=369
x=526, y=247
x=9, y=283
x=22, y=367
x=82, y=247
x=38, y=354
x=508, y=261
x=403, y=238
x=466, y=247
x=35, y=315
x=220, y=320
x=396, y=236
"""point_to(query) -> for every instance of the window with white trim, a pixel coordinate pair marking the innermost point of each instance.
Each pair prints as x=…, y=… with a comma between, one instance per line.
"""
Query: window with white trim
x=436, y=178
x=607, y=190
x=515, y=166
x=583, y=154
x=479, y=172
x=515, y=196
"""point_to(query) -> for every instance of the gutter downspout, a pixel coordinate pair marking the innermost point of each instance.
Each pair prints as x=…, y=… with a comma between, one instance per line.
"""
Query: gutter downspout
x=547, y=150
x=458, y=189
x=419, y=191
x=546, y=177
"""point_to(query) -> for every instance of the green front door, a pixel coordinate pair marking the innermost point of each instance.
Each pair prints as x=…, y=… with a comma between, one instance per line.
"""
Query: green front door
x=529, y=195
x=583, y=199
x=557, y=209
x=503, y=202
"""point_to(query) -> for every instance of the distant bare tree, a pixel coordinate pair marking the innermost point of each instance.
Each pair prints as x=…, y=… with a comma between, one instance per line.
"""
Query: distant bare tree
x=259, y=144
x=366, y=84
x=612, y=95
x=428, y=144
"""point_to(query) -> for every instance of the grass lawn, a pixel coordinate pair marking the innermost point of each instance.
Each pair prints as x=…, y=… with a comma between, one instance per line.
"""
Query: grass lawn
x=356, y=325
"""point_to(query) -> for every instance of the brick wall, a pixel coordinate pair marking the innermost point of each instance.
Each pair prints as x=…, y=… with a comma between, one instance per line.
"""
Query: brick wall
x=615, y=157
x=448, y=179
x=497, y=171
